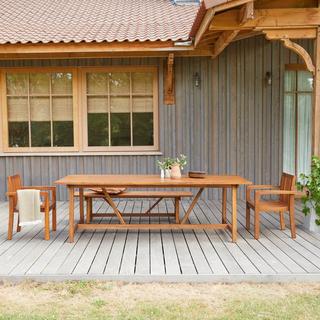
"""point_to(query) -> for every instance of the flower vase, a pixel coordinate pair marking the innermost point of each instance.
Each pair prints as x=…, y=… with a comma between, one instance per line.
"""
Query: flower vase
x=162, y=174
x=167, y=173
x=176, y=171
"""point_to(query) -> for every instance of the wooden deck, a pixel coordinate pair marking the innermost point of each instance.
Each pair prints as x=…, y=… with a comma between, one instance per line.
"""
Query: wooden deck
x=161, y=255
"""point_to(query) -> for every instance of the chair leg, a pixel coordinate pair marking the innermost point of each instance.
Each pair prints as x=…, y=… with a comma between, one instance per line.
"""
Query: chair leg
x=282, y=223
x=10, y=223
x=248, y=218
x=54, y=218
x=46, y=225
x=18, y=224
x=292, y=220
x=256, y=224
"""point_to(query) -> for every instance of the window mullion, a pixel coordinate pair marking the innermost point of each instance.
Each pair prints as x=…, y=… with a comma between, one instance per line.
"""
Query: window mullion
x=29, y=110
x=109, y=111
x=51, y=112
x=131, y=122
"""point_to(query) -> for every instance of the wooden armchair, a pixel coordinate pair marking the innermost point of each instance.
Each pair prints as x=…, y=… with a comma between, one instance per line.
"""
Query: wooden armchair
x=48, y=204
x=285, y=203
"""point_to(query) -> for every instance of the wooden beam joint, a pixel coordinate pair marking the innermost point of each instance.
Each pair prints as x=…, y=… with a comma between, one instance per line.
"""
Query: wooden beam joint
x=246, y=13
x=223, y=41
x=169, y=93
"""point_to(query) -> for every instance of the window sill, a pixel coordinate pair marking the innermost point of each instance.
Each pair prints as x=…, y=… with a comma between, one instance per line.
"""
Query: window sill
x=80, y=154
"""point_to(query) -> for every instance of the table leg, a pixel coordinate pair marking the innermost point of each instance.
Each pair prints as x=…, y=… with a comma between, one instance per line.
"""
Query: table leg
x=71, y=214
x=234, y=213
x=193, y=203
x=224, y=205
x=81, y=206
x=113, y=206
x=177, y=209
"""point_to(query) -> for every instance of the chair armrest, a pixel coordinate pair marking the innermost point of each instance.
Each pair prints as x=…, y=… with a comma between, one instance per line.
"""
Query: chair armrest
x=262, y=186
x=259, y=193
x=254, y=187
x=47, y=188
x=11, y=194
x=53, y=190
x=13, y=198
x=275, y=192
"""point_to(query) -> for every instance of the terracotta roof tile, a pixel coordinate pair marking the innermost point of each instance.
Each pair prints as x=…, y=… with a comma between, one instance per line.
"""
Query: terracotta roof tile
x=94, y=20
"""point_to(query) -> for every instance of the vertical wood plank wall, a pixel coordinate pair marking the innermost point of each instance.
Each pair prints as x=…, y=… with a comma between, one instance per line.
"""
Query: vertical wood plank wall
x=231, y=124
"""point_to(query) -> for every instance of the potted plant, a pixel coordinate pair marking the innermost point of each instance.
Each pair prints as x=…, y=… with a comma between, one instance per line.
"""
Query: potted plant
x=165, y=167
x=177, y=166
x=310, y=184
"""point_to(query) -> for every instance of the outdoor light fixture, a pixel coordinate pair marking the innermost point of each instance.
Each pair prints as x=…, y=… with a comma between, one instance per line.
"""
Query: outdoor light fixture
x=197, y=80
x=268, y=78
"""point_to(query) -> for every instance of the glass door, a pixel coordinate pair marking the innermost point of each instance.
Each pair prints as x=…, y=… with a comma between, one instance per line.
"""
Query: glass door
x=297, y=125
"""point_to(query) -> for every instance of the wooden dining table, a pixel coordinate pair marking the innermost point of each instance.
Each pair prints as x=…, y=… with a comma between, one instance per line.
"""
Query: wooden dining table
x=76, y=183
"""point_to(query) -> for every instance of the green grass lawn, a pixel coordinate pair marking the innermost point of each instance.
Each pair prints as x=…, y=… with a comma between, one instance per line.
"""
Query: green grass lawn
x=120, y=301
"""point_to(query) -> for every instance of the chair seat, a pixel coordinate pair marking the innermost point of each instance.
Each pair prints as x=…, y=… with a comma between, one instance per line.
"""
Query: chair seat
x=270, y=205
x=42, y=208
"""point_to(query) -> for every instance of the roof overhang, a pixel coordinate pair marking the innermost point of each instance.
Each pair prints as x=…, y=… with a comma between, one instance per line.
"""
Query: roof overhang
x=93, y=49
x=226, y=21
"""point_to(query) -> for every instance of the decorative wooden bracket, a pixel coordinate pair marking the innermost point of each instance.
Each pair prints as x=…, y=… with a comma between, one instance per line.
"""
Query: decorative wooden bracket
x=301, y=52
x=223, y=41
x=246, y=13
x=169, y=90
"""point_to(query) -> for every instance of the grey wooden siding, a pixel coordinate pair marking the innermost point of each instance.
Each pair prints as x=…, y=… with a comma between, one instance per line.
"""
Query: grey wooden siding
x=231, y=124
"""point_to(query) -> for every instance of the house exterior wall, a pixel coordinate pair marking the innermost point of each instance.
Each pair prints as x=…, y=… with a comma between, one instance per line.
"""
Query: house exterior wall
x=231, y=124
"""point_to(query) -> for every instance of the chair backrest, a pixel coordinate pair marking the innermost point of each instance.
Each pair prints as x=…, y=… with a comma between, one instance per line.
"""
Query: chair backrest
x=288, y=182
x=14, y=183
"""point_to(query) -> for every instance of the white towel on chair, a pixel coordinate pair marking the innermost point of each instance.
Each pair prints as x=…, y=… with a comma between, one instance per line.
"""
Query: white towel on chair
x=29, y=205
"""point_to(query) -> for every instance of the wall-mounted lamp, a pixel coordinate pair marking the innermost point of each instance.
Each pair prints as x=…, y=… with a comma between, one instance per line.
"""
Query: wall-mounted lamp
x=268, y=78
x=197, y=80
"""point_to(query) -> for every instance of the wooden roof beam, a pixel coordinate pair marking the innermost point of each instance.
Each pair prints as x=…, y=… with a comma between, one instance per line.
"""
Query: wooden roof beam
x=308, y=33
x=92, y=47
x=204, y=26
x=223, y=41
x=222, y=5
x=268, y=19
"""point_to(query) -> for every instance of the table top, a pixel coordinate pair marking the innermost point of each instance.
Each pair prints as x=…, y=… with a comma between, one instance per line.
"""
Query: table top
x=141, y=181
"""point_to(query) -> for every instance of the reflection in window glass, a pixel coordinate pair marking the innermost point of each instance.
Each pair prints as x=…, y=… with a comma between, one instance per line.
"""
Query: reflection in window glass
x=40, y=109
x=120, y=109
x=62, y=121
x=40, y=121
x=98, y=120
x=142, y=121
x=18, y=121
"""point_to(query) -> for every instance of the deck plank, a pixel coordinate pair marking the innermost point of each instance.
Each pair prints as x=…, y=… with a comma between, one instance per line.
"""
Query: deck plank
x=161, y=253
x=142, y=266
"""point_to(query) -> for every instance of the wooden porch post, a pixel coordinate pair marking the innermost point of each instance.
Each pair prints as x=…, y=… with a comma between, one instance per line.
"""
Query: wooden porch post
x=316, y=99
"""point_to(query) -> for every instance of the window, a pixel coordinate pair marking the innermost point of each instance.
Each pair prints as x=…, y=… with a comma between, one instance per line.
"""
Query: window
x=121, y=109
x=39, y=110
x=114, y=108
x=297, y=124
